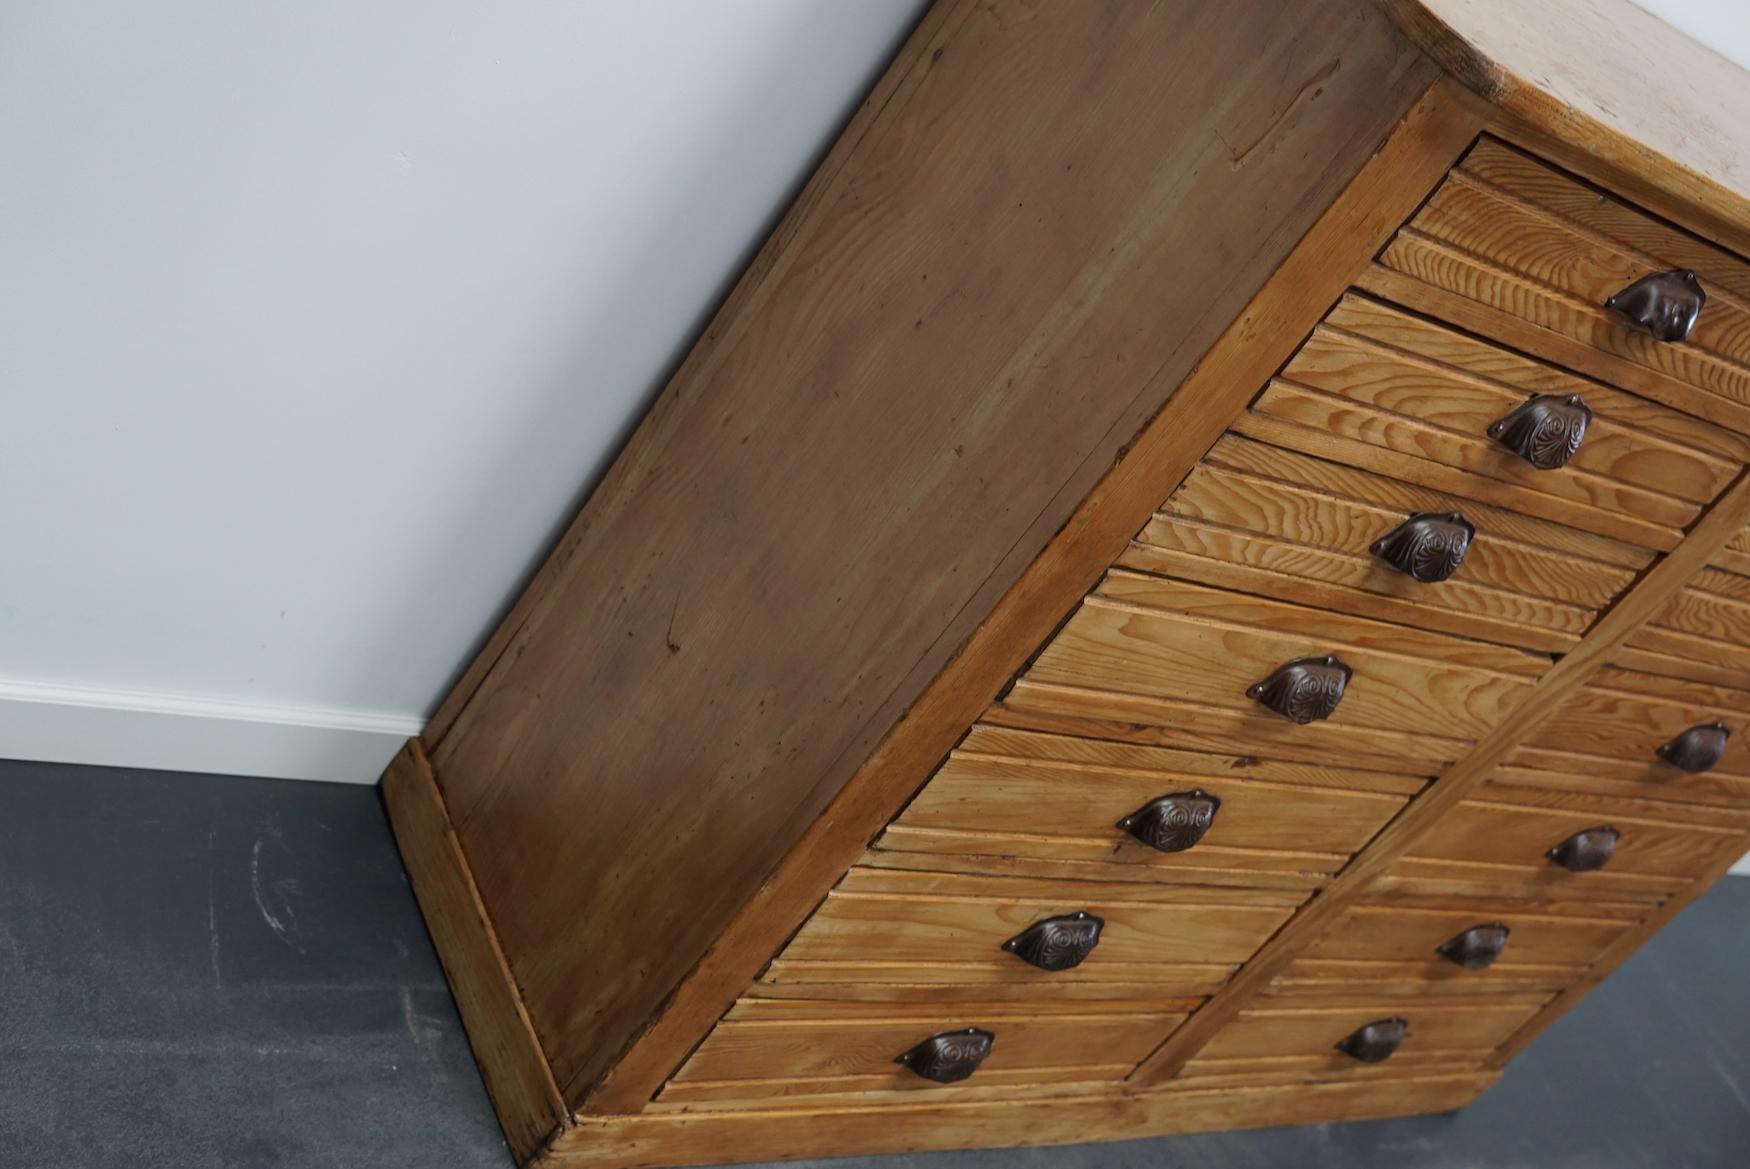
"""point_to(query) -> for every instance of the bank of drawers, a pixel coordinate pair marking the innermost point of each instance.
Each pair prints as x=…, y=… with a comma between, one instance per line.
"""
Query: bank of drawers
x=1137, y=800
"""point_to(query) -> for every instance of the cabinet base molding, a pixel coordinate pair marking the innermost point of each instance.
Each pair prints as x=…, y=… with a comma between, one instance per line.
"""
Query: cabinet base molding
x=709, y=1138
x=516, y=1073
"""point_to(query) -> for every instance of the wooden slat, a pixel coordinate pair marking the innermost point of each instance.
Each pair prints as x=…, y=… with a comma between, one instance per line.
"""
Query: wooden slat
x=1301, y=514
x=1027, y=1041
x=700, y=1138
x=1118, y=642
x=1444, y=265
x=985, y=739
x=1240, y=562
x=1060, y=858
x=1509, y=328
x=1619, y=952
x=1472, y=373
x=1336, y=448
x=1423, y=818
x=1412, y=935
x=1288, y=1028
x=1546, y=250
x=1302, y=287
x=511, y=1062
x=1627, y=716
x=973, y=793
x=1138, y=719
x=1533, y=767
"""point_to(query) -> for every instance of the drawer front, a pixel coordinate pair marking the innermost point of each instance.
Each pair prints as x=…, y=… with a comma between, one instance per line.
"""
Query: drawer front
x=1381, y=376
x=882, y=926
x=1186, y=645
x=1521, y=237
x=1608, y=736
x=1267, y=518
x=1397, y=948
x=766, y=1049
x=1502, y=839
x=1011, y=792
x=1290, y=1039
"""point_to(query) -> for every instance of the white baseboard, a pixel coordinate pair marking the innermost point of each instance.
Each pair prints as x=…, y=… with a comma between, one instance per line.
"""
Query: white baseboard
x=172, y=732
x=1742, y=868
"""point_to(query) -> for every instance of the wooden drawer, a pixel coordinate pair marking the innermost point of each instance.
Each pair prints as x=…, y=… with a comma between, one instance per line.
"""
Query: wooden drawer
x=1294, y=1039
x=884, y=928
x=1498, y=842
x=773, y=1048
x=1413, y=695
x=1605, y=738
x=1015, y=793
x=1381, y=376
x=1392, y=946
x=1520, y=237
x=1263, y=518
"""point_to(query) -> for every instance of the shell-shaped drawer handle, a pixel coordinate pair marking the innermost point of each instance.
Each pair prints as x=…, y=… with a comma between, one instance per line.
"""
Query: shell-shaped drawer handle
x=1175, y=822
x=1665, y=304
x=1587, y=849
x=1698, y=749
x=1058, y=943
x=1304, y=690
x=950, y=1056
x=1429, y=546
x=1545, y=430
x=1374, y=1042
x=1477, y=947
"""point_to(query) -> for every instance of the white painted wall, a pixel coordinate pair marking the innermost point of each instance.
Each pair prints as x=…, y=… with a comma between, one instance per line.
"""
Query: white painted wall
x=1722, y=25
x=317, y=318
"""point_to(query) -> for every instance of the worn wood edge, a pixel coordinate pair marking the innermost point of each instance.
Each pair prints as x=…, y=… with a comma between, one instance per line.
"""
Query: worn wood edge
x=1630, y=612
x=713, y=347
x=1547, y=125
x=1415, y=155
x=517, y=1075
x=706, y=1138
x=1619, y=952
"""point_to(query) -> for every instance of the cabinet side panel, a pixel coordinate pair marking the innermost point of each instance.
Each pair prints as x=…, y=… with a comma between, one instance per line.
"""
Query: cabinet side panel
x=516, y=1074
x=1053, y=216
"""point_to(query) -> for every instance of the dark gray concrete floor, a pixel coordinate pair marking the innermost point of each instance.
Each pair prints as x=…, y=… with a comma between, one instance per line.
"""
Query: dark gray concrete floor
x=210, y=972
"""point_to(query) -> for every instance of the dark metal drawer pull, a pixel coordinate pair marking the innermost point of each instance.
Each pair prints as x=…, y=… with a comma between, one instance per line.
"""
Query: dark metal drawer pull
x=1585, y=850
x=1428, y=547
x=1697, y=749
x=1304, y=690
x=1545, y=430
x=1057, y=943
x=1173, y=823
x=1477, y=947
x=950, y=1056
x=1375, y=1042
x=1665, y=304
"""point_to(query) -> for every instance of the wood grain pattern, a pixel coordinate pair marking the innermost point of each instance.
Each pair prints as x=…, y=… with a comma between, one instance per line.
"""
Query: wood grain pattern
x=1161, y=639
x=1314, y=274
x=1138, y=719
x=905, y=346
x=697, y=1138
x=511, y=1063
x=823, y=1048
x=1619, y=952
x=1288, y=1029
x=1295, y=513
x=1411, y=290
x=1717, y=527
x=959, y=920
x=974, y=793
x=1560, y=67
x=1393, y=937
x=1626, y=716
